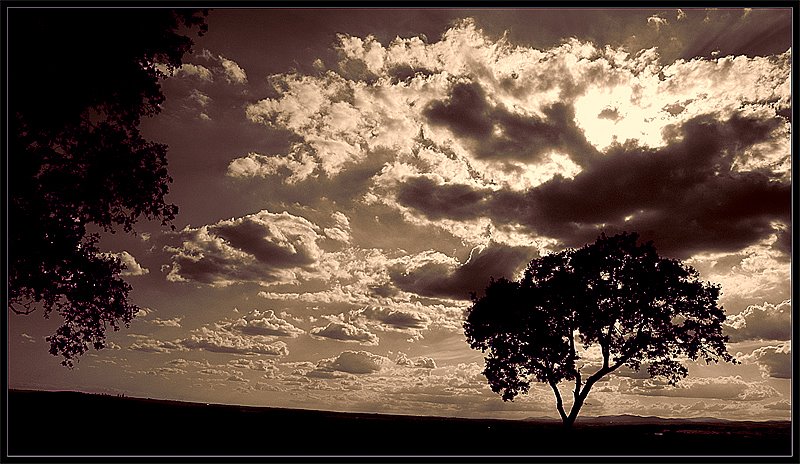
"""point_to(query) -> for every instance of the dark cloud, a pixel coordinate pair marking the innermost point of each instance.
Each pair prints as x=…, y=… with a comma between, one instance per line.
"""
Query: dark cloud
x=498, y=134
x=447, y=201
x=784, y=242
x=609, y=113
x=684, y=196
x=441, y=280
x=396, y=318
x=264, y=243
x=263, y=247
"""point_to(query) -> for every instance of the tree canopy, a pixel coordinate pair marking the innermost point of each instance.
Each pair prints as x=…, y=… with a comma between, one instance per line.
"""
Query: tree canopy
x=615, y=294
x=80, y=81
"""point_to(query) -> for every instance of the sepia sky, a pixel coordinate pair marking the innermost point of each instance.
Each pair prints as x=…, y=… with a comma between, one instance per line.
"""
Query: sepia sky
x=346, y=178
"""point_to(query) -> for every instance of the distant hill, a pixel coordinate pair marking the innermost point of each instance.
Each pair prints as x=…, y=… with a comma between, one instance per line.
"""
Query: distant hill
x=51, y=424
x=634, y=419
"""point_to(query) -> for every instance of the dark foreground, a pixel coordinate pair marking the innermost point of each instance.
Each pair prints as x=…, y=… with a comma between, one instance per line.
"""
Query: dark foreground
x=68, y=423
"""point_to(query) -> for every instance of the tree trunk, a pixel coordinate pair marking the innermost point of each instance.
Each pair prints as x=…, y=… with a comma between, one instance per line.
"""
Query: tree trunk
x=576, y=408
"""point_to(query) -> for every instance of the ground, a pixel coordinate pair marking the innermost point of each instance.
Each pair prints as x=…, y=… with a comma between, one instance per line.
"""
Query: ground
x=70, y=423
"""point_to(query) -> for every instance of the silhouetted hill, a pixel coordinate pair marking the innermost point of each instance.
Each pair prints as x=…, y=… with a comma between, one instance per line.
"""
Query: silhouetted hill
x=70, y=423
x=634, y=419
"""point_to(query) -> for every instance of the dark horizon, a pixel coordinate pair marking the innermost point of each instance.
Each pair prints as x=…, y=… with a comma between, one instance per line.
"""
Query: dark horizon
x=333, y=434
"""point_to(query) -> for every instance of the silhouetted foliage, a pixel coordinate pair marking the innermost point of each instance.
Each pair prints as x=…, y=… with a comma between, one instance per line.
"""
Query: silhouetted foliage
x=80, y=80
x=616, y=294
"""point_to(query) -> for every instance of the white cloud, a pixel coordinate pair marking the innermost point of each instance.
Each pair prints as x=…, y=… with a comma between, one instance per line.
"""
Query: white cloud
x=423, y=361
x=341, y=230
x=761, y=322
x=174, y=322
x=345, y=332
x=757, y=272
x=199, y=98
x=233, y=72
x=354, y=362
x=725, y=387
x=296, y=166
x=212, y=371
x=782, y=405
x=220, y=340
x=195, y=70
x=150, y=345
x=266, y=365
x=657, y=21
x=264, y=323
x=227, y=68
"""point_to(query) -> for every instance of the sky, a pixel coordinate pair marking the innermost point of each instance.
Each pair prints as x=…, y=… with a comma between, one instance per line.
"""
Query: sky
x=346, y=178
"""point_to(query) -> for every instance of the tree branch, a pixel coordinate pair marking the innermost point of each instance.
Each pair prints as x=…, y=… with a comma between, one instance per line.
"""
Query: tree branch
x=559, y=402
x=28, y=309
x=576, y=371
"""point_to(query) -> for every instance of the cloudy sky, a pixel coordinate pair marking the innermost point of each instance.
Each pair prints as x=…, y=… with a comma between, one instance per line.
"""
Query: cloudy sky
x=346, y=178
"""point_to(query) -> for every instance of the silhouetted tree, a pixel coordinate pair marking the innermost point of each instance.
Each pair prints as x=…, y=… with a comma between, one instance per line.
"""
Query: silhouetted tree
x=615, y=294
x=79, y=82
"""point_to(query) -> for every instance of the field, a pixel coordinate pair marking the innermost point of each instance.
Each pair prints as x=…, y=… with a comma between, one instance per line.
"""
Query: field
x=69, y=423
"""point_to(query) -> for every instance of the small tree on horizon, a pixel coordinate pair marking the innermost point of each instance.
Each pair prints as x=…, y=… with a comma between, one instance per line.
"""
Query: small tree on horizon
x=622, y=296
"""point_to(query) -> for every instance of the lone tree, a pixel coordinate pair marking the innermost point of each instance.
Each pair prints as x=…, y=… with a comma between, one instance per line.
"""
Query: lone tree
x=639, y=308
x=80, y=80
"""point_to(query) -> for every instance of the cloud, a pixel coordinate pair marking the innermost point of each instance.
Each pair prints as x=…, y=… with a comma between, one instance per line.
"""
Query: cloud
x=423, y=362
x=227, y=68
x=220, y=340
x=233, y=72
x=761, y=322
x=264, y=323
x=494, y=132
x=657, y=21
x=195, y=70
x=395, y=318
x=354, y=362
x=782, y=405
x=727, y=388
x=199, y=98
x=211, y=371
x=437, y=275
x=684, y=196
x=295, y=166
x=150, y=345
x=132, y=268
x=774, y=361
x=264, y=365
x=341, y=230
x=345, y=332
x=266, y=248
x=174, y=322
x=484, y=132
